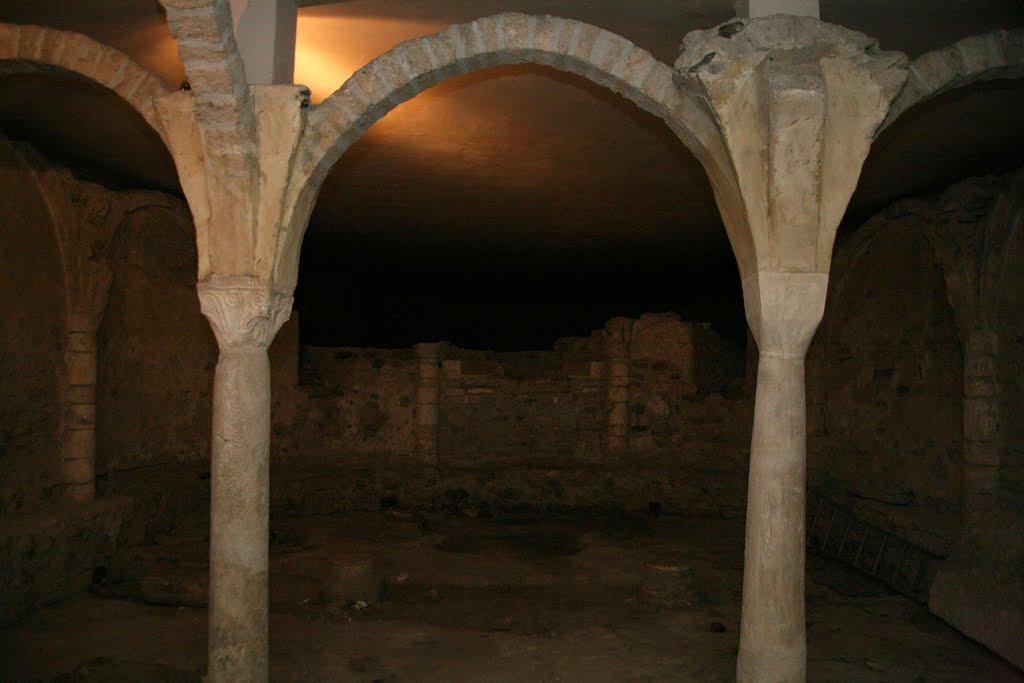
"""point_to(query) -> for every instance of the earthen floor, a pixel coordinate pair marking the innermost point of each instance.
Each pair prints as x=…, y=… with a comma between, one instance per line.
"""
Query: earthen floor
x=566, y=598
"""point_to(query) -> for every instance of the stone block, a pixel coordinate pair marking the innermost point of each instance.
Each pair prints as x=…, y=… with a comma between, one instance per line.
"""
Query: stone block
x=78, y=470
x=517, y=31
x=937, y=69
x=979, y=387
x=981, y=453
x=452, y=369
x=636, y=67
x=81, y=342
x=8, y=41
x=79, y=443
x=979, y=53
x=81, y=416
x=427, y=416
x=426, y=395
x=981, y=419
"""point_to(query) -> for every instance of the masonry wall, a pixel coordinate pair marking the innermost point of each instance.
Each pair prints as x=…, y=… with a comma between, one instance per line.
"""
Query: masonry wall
x=512, y=430
x=1010, y=368
x=31, y=332
x=886, y=369
x=156, y=350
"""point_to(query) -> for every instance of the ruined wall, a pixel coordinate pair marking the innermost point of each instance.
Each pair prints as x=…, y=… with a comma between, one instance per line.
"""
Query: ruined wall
x=516, y=429
x=521, y=410
x=31, y=331
x=156, y=351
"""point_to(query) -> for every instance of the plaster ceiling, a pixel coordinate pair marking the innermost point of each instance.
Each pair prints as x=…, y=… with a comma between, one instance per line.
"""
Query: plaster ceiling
x=539, y=183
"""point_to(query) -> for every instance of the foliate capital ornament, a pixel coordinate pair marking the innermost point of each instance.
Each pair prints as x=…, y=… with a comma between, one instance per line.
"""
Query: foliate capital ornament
x=244, y=312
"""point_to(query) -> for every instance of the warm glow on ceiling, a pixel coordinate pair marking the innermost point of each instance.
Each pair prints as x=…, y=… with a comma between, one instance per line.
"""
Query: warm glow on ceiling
x=329, y=48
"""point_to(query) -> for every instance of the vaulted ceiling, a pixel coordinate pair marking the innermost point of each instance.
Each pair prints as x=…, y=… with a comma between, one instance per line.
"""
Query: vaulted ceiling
x=528, y=202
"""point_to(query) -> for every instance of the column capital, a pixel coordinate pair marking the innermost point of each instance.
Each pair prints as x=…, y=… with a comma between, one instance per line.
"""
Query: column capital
x=243, y=311
x=797, y=102
x=784, y=310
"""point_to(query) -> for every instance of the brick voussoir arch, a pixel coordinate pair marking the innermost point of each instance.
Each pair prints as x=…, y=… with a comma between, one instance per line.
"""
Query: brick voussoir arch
x=27, y=47
x=990, y=56
x=411, y=67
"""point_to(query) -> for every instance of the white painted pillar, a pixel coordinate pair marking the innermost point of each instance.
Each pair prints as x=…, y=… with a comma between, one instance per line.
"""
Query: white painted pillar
x=245, y=314
x=749, y=9
x=265, y=33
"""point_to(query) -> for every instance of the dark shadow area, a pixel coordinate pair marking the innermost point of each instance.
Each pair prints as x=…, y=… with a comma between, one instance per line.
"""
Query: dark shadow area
x=85, y=127
x=485, y=212
x=966, y=132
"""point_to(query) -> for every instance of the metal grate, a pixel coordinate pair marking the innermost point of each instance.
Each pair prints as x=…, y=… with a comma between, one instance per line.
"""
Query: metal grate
x=836, y=532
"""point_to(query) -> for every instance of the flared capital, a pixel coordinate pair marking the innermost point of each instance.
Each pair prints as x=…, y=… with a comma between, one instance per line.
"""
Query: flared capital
x=797, y=102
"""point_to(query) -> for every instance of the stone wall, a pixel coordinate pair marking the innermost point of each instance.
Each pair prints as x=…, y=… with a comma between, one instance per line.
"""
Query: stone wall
x=156, y=351
x=885, y=384
x=660, y=415
x=31, y=333
x=1009, y=326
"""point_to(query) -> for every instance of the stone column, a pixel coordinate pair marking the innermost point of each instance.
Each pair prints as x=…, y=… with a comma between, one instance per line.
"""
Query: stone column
x=78, y=456
x=617, y=438
x=797, y=102
x=981, y=423
x=428, y=392
x=783, y=310
x=245, y=314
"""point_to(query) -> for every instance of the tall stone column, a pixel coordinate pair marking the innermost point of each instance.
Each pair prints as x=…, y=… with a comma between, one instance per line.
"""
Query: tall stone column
x=783, y=310
x=245, y=314
x=428, y=393
x=797, y=102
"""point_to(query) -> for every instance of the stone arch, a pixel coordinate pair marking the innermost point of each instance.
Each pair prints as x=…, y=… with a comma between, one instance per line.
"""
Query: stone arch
x=987, y=57
x=27, y=48
x=411, y=67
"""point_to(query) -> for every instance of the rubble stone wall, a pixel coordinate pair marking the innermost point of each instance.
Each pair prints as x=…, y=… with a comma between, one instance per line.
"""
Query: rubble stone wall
x=31, y=332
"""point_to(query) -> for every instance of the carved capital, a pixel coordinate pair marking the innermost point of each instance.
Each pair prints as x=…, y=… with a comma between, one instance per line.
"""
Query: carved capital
x=798, y=102
x=244, y=312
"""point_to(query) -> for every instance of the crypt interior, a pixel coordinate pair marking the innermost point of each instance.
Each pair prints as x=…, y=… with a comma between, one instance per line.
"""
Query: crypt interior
x=511, y=340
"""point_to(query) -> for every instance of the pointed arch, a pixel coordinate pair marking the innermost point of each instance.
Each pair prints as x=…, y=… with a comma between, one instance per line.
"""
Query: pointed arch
x=411, y=67
x=33, y=48
x=987, y=57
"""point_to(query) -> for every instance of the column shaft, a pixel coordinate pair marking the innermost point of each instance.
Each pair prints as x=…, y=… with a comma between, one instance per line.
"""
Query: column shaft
x=428, y=399
x=78, y=449
x=239, y=517
x=245, y=314
x=772, y=632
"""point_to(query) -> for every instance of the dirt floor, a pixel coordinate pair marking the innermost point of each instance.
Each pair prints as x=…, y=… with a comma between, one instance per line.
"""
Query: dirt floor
x=463, y=597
